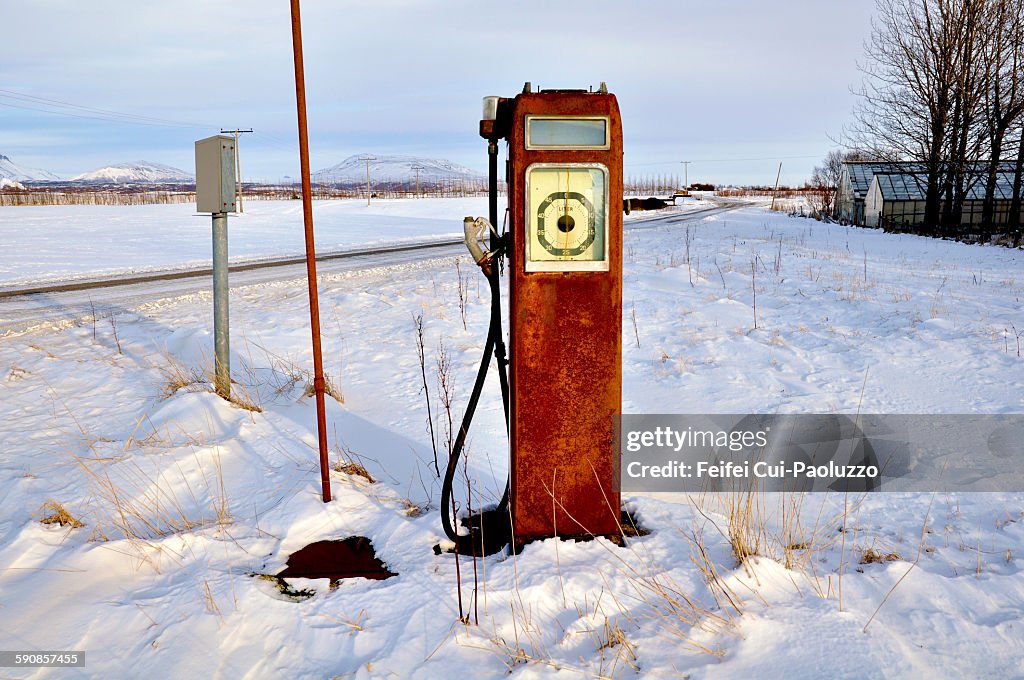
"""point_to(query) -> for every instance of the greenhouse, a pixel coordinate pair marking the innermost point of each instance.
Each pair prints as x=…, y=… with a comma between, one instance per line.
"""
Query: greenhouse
x=896, y=200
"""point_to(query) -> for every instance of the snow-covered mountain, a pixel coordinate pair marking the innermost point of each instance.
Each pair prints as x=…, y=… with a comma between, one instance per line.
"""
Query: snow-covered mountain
x=141, y=172
x=12, y=171
x=394, y=169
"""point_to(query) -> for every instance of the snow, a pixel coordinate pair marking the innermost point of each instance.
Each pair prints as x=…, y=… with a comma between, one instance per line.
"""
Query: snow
x=53, y=243
x=6, y=183
x=11, y=170
x=136, y=172
x=183, y=495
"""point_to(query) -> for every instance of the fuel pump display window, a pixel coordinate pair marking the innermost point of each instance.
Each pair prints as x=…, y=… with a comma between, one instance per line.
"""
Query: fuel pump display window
x=567, y=132
x=567, y=209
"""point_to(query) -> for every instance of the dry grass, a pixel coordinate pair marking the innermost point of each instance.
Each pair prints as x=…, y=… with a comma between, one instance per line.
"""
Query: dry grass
x=178, y=376
x=676, y=615
x=244, y=401
x=752, y=527
x=211, y=603
x=139, y=505
x=724, y=596
x=920, y=549
x=611, y=640
x=219, y=494
x=872, y=556
x=330, y=388
x=411, y=509
x=746, y=524
x=786, y=206
x=353, y=469
x=658, y=598
x=144, y=504
x=280, y=376
x=53, y=512
x=355, y=626
x=92, y=196
x=638, y=594
x=527, y=645
x=350, y=463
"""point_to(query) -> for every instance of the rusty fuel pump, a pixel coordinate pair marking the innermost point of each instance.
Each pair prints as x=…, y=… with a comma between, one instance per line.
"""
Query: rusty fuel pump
x=564, y=256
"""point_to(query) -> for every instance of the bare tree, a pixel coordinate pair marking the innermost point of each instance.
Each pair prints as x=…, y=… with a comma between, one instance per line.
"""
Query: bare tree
x=921, y=93
x=1003, y=61
x=1014, y=220
x=968, y=125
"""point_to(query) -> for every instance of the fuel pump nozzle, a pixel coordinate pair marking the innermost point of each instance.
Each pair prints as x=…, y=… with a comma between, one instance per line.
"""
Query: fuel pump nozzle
x=476, y=230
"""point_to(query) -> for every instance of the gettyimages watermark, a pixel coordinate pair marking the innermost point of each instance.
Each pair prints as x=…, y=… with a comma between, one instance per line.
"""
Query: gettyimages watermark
x=693, y=453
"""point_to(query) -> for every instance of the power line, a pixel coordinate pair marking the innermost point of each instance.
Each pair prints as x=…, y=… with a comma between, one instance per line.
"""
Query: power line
x=55, y=113
x=10, y=94
x=274, y=140
x=73, y=110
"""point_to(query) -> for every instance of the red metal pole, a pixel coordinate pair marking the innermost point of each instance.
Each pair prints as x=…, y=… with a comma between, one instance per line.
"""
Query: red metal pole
x=307, y=220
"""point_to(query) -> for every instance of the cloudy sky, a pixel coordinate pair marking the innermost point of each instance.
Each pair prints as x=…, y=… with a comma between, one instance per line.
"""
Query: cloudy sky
x=734, y=86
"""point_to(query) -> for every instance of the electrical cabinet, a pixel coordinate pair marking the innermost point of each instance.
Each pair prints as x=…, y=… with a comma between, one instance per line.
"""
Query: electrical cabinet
x=215, y=175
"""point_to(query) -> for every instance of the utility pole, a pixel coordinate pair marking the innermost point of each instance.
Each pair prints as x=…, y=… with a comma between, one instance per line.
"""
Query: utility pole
x=217, y=194
x=774, y=193
x=238, y=165
x=221, y=329
x=417, y=168
x=367, y=159
x=686, y=174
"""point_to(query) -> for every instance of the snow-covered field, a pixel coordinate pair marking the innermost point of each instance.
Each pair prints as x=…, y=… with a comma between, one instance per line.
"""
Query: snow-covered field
x=58, y=243
x=183, y=496
x=51, y=243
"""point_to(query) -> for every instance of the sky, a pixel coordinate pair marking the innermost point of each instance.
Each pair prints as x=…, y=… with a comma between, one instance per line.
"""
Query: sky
x=734, y=86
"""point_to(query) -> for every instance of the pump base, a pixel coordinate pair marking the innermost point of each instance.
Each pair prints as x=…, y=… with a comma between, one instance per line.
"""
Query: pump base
x=629, y=527
x=489, y=533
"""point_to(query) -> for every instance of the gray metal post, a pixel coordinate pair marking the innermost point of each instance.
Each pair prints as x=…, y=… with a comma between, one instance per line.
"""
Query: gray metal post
x=222, y=359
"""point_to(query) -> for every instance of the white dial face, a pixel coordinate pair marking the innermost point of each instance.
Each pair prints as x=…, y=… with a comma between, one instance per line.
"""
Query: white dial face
x=566, y=218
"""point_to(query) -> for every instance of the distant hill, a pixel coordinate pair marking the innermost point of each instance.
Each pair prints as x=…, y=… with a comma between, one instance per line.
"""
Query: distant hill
x=393, y=169
x=18, y=173
x=136, y=172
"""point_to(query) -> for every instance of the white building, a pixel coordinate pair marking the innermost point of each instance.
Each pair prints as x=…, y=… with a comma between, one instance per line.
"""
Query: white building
x=854, y=183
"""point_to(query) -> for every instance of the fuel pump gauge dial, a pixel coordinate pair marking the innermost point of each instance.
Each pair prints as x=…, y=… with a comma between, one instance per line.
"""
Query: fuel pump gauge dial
x=567, y=214
x=565, y=224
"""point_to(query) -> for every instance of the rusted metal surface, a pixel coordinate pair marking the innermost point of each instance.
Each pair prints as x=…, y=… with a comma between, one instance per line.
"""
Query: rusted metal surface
x=353, y=557
x=566, y=350
x=307, y=220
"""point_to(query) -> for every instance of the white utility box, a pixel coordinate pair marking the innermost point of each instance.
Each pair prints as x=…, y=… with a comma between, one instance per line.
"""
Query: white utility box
x=215, y=174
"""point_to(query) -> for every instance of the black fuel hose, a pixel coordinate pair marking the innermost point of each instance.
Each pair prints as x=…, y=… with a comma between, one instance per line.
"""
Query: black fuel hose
x=493, y=529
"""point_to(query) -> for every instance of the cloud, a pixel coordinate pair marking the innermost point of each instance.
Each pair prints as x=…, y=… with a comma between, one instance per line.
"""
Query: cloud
x=412, y=73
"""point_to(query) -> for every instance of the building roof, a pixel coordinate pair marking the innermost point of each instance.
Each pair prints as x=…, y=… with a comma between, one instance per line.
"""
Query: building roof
x=861, y=172
x=901, y=186
x=911, y=186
